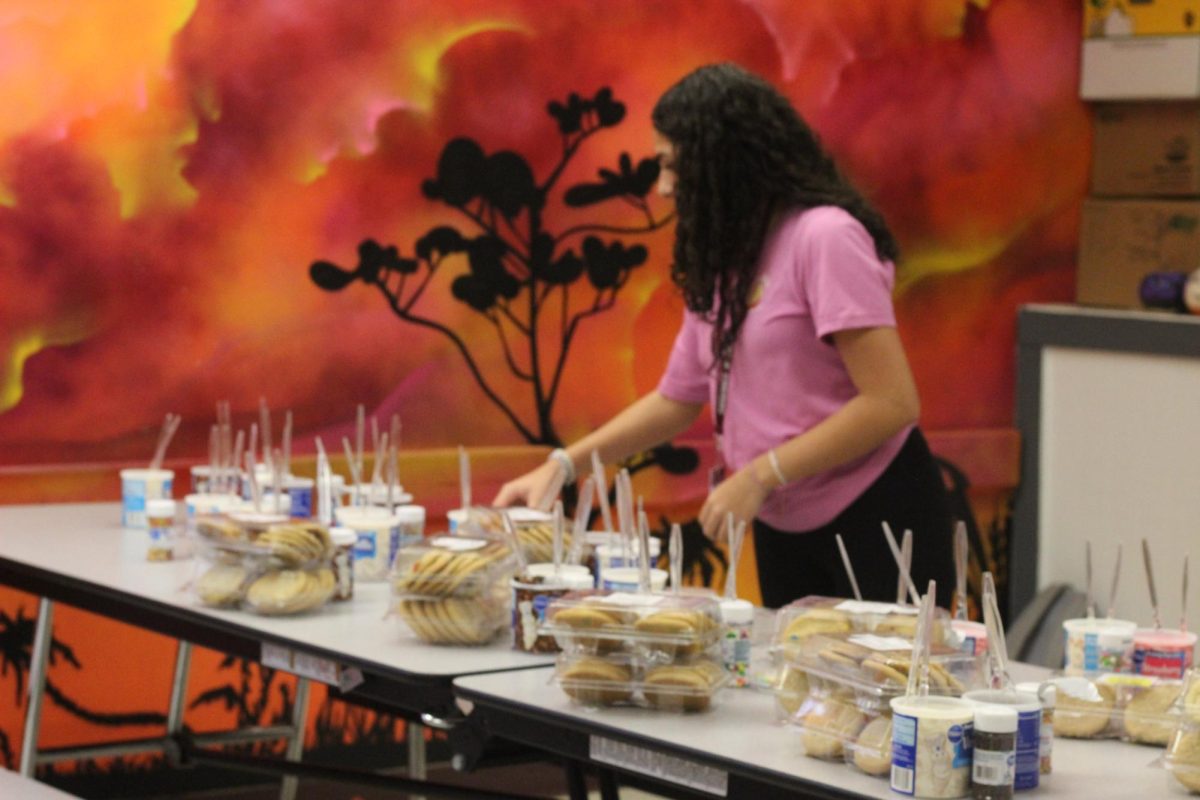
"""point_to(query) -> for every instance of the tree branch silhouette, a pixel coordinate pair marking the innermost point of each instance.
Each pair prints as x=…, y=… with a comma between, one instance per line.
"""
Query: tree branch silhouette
x=513, y=263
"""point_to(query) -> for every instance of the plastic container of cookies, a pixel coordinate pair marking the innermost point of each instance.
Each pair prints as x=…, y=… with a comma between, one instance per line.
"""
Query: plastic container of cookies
x=534, y=529
x=625, y=679
x=285, y=569
x=660, y=628
x=454, y=589
x=875, y=668
x=816, y=614
x=1148, y=708
x=1086, y=708
x=1182, y=756
x=830, y=723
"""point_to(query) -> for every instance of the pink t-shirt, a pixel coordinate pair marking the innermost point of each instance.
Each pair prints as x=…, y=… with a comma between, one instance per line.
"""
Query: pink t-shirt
x=818, y=274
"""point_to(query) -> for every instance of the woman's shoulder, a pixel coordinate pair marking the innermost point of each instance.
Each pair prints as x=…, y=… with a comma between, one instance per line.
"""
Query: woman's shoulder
x=820, y=219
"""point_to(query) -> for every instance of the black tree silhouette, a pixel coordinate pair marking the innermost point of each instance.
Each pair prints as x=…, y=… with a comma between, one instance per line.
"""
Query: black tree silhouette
x=519, y=275
x=16, y=653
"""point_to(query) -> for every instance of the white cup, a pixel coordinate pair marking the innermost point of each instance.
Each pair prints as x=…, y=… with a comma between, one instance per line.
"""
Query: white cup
x=411, y=520
x=138, y=486
x=301, y=493
x=378, y=532
x=201, y=504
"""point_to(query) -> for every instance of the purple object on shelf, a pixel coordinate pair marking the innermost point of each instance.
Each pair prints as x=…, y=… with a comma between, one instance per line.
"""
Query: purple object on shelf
x=1163, y=290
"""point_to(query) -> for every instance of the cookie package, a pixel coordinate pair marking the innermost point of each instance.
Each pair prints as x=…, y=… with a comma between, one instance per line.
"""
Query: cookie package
x=625, y=679
x=657, y=627
x=873, y=667
x=816, y=614
x=284, y=568
x=454, y=590
x=534, y=530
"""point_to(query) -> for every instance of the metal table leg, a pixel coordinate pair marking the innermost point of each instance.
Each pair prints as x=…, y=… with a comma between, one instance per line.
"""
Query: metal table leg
x=418, y=768
x=175, y=708
x=576, y=780
x=609, y=787
x=38, y=661
x=295, y=748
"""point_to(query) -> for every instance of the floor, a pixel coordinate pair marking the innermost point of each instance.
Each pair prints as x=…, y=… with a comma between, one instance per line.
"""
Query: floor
x=535, y=780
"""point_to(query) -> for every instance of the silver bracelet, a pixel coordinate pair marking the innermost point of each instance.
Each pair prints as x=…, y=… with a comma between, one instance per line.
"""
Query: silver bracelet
x=568, y=466
x=774, y=462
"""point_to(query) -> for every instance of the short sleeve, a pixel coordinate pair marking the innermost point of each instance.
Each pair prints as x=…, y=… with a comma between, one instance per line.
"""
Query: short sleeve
x=686, y=377
x=845, y=283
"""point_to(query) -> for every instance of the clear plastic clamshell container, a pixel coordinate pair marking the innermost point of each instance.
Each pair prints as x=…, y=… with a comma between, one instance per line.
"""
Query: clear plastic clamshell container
x=1148, y=707
x=658, y=627
x=286, y=569
x=534, y=530
x=1086, y=708
x=1182, y=757
x=874, y=668
x=1136, y=708
x=816, y=614
x=625, y=679
x=454, y=589
x=838, y=726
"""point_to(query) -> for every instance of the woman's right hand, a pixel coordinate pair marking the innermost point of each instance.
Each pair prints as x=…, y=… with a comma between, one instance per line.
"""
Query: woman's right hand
x=529, y=489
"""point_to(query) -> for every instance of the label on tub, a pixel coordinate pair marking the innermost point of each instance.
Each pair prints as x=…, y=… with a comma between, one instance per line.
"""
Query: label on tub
x=364, y=546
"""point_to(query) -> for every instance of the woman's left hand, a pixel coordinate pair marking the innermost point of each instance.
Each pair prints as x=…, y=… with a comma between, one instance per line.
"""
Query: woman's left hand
x=739, y=494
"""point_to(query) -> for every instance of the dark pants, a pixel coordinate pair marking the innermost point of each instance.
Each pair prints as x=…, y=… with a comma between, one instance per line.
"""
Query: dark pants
x=910, y=494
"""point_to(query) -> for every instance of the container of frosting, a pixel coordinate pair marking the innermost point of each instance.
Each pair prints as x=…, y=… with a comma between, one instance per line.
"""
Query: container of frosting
x=1163, y=653
x=1100, y=644
x=931, y=746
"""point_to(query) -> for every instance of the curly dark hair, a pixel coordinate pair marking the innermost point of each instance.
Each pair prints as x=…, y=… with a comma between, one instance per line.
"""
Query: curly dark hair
x=742, y=155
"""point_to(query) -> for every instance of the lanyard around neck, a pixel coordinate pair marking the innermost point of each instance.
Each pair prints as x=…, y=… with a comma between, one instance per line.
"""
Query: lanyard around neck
x=723, y=393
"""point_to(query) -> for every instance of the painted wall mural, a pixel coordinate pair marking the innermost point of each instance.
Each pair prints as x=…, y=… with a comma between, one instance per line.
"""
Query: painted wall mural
x=186, y=187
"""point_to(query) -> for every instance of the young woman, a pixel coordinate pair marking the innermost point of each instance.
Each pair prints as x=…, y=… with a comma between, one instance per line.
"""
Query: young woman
x=790, y=335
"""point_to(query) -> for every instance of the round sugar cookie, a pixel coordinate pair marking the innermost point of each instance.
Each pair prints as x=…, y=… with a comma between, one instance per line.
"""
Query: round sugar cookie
x=828, y=726
x=1084, y=719
x=1147, y=716
x=221, y=585
x=595, y=682
x=1183, y=758
x=873, y=748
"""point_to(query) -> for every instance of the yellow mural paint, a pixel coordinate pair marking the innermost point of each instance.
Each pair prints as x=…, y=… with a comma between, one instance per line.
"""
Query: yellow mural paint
x=1117, y=18
x=426, y=57
x=25, y=346
x=919, y=264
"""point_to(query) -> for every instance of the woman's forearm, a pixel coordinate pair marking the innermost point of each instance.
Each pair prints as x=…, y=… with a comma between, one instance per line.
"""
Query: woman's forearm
x=649, y=421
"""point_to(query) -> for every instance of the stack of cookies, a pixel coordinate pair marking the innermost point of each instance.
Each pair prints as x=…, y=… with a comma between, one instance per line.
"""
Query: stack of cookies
x=1183, y=749
x=454, y=589
x=1137, y=708
x=652, y=650
x=282, y=569
x=534, y=530
x=818, y=614
x=839, y=662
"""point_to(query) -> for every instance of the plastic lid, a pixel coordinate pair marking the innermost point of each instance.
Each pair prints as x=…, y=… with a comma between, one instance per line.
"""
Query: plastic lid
x=343, y=537
x=1046, y=692
x=410, y=515
x=159, y=507
x=546, y=570
x=737, y=612
x=995, y=719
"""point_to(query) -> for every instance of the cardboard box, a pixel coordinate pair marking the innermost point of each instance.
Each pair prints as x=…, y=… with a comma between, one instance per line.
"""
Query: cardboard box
x=1121, y=241
x=1141, y=68
x=1146, y=150
x=1140, y=50
x=1116, y=18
